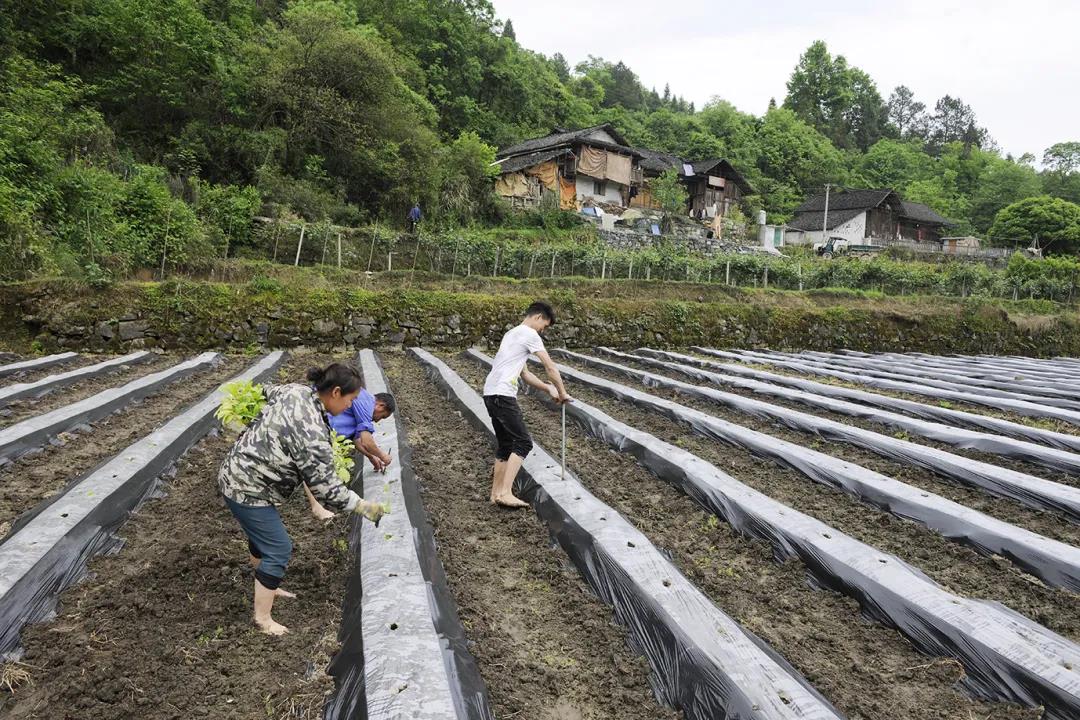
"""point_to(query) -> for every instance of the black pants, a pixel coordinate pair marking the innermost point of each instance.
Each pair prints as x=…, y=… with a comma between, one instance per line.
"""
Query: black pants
x=510, y=432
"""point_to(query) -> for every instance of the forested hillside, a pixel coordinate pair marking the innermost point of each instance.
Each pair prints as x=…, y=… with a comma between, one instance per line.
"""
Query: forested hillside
x=139, y=132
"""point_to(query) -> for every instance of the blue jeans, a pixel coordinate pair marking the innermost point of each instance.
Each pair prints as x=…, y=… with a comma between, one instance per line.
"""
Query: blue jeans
x=267, y=540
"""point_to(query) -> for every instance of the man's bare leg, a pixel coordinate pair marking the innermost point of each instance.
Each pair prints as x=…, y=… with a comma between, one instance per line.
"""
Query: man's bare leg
x=496, y=478
x=317, y=510
x=504, y=490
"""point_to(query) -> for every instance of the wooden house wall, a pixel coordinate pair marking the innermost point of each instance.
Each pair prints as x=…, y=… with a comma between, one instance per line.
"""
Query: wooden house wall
x=703, y=196
x=881, y=222
x=921, y=233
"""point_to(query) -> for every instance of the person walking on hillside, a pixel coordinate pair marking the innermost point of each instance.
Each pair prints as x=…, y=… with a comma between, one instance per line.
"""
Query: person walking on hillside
x=414, y=217
x=287, y=445
x=500, y=398
x=358, y=423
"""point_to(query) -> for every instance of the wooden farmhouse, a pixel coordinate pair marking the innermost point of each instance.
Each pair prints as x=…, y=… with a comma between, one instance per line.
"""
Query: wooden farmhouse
x=865, y=217
x=595, y=166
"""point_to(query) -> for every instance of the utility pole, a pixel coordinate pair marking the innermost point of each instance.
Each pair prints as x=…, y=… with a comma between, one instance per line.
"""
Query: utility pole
x=825, y=221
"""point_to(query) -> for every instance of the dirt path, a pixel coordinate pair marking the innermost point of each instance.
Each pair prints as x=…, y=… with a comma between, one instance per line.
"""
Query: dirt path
x=866, y=670
x=162, y=629
x=20, y=410
x=37, y=476
x=1045, y=523
x=545, y=646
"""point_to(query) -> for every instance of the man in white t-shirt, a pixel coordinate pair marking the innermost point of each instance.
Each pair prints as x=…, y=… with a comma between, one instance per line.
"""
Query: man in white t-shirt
x=500, y=397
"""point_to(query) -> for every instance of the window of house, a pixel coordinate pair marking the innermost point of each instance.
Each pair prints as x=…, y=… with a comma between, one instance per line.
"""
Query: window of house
x=599, y=188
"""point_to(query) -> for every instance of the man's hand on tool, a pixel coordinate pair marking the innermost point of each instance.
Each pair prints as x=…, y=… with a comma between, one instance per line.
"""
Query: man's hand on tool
x=559, y=398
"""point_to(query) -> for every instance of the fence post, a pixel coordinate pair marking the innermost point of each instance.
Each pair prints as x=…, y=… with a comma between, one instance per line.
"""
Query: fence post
x=630, y=272
x=389, y=261
x=339, y=250
x=371, y=252
x=498, y=252
x=765, y=281
x=648, y=272
x=799, y=268
x=532, y=262
x=727, y=273
x=300, y=244
x=453, y=269
x=603, y=268
x=554, y=254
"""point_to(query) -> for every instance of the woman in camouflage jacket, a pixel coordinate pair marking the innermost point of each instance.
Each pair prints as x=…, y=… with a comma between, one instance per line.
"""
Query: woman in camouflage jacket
x=287, y=445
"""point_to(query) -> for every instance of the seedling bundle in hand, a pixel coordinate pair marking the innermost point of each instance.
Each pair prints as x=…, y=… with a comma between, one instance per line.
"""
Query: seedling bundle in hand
x=244, y=401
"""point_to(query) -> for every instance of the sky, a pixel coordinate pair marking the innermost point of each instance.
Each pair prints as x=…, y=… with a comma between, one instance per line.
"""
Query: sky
x=1015, y=62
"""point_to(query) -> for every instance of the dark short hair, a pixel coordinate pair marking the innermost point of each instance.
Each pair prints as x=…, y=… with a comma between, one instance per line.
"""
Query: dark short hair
x=541, y=308
x=336, y=375
x=388, y=400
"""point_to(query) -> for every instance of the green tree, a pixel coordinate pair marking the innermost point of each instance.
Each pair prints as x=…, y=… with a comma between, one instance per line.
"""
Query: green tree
x=954, y=121
x=1062, y=175
x=1001, y=183
x=1063, y=157
x=793, y=158
x=1053, y=221
x=894, y=164
x=906, y=115
x=840, y=101
x=668, y=192
x=466, y=176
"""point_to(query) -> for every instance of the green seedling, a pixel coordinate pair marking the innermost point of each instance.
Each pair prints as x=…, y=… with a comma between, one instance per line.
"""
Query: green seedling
x=343, y=461
x=242, y=403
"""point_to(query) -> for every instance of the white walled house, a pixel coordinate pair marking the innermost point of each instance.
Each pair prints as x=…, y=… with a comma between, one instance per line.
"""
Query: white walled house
x=870, y=217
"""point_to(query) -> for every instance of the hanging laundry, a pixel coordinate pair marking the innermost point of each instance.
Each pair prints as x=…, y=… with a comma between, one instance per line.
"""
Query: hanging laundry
x=567, y=194
x=618, y=168
x=547, y=173
x=512, y=185
x=593, y=162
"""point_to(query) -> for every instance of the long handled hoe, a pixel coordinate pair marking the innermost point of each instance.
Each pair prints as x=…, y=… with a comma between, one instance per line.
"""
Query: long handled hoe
x=563, y=441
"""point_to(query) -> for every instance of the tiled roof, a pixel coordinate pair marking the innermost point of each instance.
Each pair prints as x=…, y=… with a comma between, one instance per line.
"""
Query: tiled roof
x=560, y=137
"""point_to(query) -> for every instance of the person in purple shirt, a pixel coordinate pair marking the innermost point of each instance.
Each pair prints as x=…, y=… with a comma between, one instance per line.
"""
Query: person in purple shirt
x=358, y=423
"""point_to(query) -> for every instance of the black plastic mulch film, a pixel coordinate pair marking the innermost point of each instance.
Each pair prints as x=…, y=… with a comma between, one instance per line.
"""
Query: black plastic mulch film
x=1027, y=489
x=1036, y=377
x=48, y=548
x=50, y=383
x=703, y=662
x=22, y=437
x=1006, y=655
x=1055, y=459
x=37, y=363
x=959, y=418
x=1056, y=563
x=876, y=368
x=1041, y=391
x=424, y=668
x=1021, y=407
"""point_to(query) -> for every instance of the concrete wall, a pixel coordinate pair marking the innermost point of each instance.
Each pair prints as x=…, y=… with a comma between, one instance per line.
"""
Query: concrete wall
x=854, y=230
x=585, y=190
